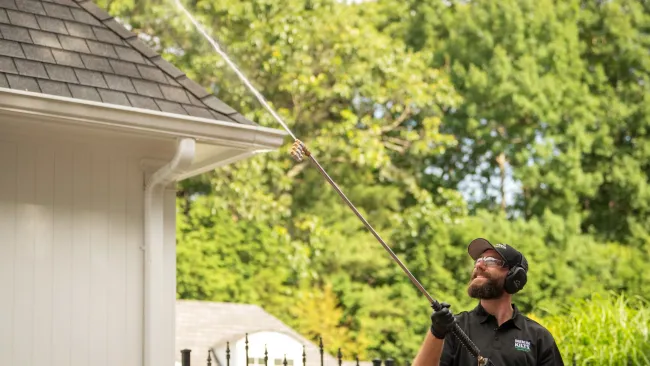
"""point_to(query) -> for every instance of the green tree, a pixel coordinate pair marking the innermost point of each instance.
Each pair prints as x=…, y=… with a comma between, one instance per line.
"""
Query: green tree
x=554, y=95
x=320, y=315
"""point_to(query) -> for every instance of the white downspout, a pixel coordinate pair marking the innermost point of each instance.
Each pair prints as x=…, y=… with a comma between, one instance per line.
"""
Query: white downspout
x=154, y=323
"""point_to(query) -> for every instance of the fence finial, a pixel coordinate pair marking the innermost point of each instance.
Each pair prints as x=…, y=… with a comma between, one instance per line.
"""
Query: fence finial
x=227, y=353
x=304, y=356
x=246, y=349
x=266, y=356
x=209, y=359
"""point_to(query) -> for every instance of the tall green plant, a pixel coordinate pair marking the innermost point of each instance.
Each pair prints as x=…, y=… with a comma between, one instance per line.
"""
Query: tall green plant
x=608, y=329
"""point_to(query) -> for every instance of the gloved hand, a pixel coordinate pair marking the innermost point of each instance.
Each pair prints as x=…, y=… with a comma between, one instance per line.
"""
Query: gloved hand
x=442, y=321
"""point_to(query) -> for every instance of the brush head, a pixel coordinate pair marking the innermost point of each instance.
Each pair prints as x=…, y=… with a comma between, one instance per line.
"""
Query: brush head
x=299, y=151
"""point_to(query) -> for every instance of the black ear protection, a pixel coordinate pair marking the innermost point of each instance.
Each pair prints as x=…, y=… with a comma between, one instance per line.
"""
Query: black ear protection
x=516, y=277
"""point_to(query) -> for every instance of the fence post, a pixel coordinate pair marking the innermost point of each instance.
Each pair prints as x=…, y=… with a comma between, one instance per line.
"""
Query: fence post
x=339, y=355
x=389, y=362
x=209, y=358
x=376, y=362
x=304, y=356
x=185, y=357
x=321, y=352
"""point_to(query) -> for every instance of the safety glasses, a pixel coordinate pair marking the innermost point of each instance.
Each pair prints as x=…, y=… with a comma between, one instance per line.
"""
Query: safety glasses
x=490, y=262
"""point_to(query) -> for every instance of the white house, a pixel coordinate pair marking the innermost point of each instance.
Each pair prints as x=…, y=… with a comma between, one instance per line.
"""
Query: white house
x=203, y=326
x=95, y=128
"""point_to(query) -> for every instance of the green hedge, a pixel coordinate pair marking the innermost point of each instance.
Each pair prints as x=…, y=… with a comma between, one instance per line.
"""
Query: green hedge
x=607, y=329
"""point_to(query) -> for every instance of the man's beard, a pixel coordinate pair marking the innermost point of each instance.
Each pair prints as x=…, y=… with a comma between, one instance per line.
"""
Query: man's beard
x=490, y=289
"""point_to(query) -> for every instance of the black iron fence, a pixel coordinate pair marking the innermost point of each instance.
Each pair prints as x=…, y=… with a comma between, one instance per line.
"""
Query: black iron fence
x=211, y=359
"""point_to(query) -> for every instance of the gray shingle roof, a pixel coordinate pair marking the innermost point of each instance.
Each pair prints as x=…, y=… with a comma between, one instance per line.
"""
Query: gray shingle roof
x=201, y=325
x=76, y=49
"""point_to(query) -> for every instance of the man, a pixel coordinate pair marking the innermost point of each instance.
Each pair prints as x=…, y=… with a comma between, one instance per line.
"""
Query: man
x=501, y=333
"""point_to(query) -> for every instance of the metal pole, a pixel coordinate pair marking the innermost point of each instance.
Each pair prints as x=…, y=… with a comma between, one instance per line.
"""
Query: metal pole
x=185, y=357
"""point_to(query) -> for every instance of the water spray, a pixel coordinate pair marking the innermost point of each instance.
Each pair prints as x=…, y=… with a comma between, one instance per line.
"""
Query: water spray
x=299, y=151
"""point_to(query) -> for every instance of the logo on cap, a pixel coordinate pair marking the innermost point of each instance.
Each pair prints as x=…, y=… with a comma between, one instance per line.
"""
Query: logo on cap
x=500, y=246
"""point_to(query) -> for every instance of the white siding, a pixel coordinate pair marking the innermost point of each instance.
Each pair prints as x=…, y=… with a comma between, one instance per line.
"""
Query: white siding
x=71, y=262
x=169, y=304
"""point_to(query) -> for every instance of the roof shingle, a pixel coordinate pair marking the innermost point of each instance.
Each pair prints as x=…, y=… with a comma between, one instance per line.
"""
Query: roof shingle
x=76, y=49
x=3, y=81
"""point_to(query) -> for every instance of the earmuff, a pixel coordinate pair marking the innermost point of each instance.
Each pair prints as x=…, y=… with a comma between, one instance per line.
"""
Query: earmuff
x=516, y=278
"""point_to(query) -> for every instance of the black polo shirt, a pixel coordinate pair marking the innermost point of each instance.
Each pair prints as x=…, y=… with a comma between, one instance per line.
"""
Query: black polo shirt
x=518, y=341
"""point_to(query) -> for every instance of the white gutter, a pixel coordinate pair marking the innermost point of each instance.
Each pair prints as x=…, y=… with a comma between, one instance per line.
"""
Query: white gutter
x=218, y=161
x=40, y=106
x=154, y=321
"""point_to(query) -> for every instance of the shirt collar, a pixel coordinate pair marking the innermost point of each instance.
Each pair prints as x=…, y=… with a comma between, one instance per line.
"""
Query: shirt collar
x=485, y=316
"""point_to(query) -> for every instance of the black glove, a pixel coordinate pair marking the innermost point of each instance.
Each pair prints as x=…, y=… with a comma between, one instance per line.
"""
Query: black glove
x=442, y=321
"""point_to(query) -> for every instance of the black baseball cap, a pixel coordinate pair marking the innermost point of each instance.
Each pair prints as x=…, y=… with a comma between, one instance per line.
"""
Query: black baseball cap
x=510, y=255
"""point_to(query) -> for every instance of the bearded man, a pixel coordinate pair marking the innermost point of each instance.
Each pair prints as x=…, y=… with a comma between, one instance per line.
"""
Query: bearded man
x=495, y=325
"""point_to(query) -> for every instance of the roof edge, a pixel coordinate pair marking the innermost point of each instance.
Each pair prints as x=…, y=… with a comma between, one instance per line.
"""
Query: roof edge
x=136, y=120
x=133, y=39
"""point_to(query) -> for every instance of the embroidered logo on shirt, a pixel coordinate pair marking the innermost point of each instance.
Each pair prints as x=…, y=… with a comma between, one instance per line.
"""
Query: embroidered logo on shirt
x=522, y=345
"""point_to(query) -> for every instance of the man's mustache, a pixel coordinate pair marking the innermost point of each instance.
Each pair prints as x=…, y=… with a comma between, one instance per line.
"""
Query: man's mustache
x=481, y=273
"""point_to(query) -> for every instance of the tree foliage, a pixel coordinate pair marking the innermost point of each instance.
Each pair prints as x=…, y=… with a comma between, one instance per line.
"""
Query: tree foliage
x=422, y=111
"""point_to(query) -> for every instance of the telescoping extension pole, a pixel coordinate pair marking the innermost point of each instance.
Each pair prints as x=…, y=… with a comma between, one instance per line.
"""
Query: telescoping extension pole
x=298, y=151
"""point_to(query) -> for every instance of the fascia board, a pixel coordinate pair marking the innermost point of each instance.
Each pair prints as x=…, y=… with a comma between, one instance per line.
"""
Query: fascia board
x=102, y=115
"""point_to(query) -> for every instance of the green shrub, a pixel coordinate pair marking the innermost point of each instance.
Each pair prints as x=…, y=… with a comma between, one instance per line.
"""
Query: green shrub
x=607, y=329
